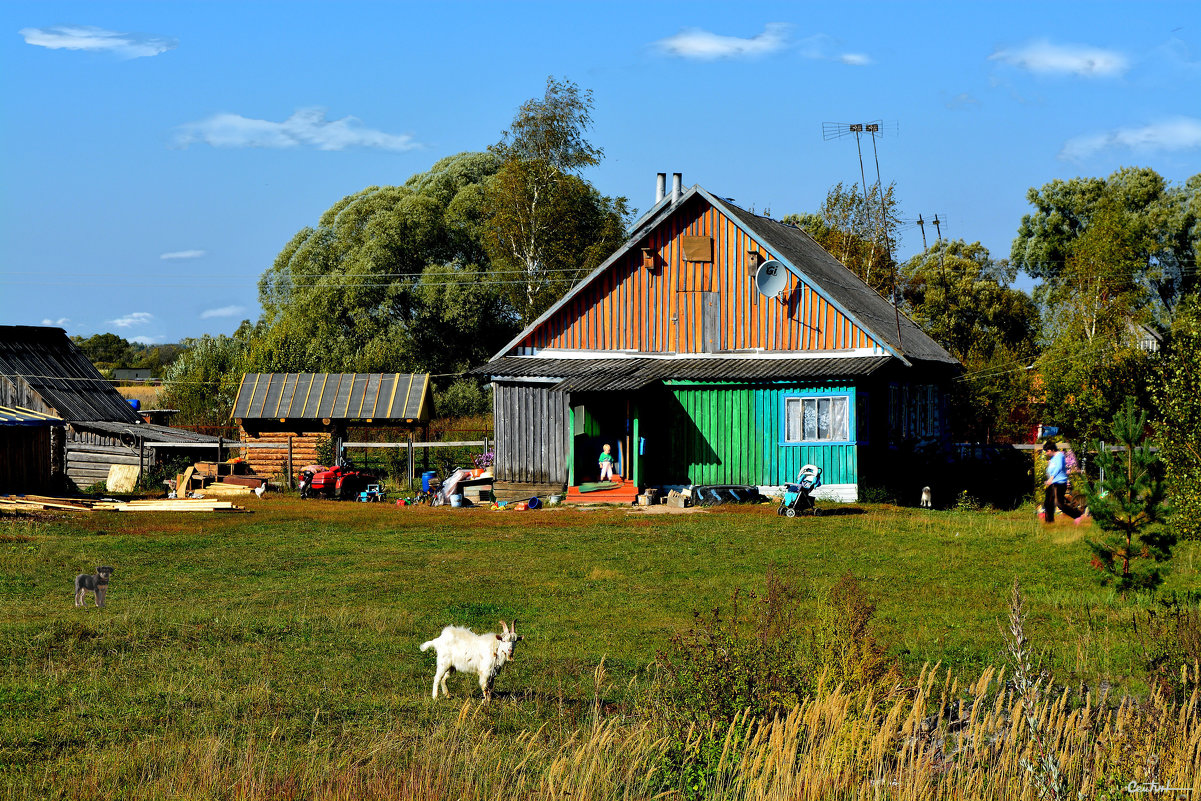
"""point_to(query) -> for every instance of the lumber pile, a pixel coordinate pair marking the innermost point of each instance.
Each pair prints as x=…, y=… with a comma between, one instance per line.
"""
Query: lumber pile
x=43, y=503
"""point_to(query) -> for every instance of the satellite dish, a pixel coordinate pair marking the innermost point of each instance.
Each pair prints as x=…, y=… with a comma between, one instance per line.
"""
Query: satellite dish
x=772, y=278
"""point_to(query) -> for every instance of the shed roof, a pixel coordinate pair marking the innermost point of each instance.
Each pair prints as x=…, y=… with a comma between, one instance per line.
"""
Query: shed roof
x=334, y=396
x=57, y=370
x=149, y=432
x=18, y=416
x=629, y=373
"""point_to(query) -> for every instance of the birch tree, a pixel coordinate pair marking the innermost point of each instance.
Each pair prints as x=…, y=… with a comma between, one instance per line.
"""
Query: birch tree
x=545, y=226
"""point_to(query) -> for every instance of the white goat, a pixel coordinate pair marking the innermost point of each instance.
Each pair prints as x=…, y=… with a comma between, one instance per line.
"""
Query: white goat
x=463, y=650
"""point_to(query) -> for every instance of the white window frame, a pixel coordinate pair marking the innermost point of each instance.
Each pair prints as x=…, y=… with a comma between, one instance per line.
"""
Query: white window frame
x=799, y=402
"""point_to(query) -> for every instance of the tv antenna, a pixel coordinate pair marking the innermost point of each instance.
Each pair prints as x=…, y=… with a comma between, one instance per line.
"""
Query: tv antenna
x=838, y=130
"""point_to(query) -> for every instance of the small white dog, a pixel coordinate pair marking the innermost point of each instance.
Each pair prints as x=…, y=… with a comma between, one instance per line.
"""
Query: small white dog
x=927, y=498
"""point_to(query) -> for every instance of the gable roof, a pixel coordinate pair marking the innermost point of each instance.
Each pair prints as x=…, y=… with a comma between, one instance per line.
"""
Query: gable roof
x=801, y=253
x=340, y=396
x=804, y=258
x=56, y=369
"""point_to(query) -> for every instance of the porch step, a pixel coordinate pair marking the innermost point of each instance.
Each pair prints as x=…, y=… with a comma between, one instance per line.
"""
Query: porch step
x=624, y=493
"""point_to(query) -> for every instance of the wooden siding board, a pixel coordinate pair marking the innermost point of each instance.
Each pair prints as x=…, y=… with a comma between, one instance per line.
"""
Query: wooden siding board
x=734, y=435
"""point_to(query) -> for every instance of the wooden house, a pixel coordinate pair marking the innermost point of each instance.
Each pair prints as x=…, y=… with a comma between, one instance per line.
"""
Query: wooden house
x=295, y=410
x=43, y=371
x=670, y=353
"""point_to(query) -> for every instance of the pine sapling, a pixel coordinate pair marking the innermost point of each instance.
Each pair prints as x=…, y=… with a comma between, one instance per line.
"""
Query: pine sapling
x=1128, y=505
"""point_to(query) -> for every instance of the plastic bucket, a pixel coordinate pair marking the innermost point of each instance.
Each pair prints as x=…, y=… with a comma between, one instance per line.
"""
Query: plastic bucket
x=533, y=503
x=553, y=499
x=425, y=479
x=456, y=501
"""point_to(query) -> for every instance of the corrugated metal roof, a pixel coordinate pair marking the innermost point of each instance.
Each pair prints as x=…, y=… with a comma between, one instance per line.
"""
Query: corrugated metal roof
x=148, y=432
x=17, y=416
x=875, y=313
x=338, y=396
x=56, y=369
x=623, y=374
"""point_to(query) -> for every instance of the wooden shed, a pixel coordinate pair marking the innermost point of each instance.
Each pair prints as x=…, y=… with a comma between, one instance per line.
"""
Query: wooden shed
x=674, y=354
x=25, y=450
x=295, y=410
x=42, y=370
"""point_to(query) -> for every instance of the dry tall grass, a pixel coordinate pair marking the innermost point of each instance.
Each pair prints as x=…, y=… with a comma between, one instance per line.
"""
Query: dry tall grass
x=937, y=740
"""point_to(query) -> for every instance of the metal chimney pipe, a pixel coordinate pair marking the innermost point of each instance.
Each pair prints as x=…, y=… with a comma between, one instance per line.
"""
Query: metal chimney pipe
x=660, y=186
x=677, y=186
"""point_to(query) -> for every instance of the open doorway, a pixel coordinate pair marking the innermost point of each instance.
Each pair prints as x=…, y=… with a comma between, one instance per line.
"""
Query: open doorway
x=600, y=419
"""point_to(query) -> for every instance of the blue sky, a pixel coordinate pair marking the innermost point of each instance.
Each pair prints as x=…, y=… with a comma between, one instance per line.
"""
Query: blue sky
x=157, y=155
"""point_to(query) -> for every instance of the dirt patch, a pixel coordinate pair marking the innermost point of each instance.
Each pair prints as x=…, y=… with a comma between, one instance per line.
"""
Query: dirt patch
x=664, y=509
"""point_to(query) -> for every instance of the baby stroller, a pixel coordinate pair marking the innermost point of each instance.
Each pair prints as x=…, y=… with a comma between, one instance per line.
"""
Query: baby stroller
x=797, y=497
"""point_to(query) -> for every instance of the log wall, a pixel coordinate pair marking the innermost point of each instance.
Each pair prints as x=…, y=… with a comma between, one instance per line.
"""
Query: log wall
x=268, y=462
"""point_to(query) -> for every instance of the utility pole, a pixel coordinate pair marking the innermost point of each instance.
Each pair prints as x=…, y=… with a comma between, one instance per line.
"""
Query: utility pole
x=922, y=224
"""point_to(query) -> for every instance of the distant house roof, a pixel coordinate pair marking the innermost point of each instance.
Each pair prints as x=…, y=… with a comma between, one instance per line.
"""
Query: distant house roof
x=630, y=373
x=57, y=370
x=334, y=396
x=16, y=416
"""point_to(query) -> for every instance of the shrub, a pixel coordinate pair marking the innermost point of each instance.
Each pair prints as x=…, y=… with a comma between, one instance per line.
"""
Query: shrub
x=1171, y=644
x=843, y=648
x=747, y=659
x=324, y=446
x=464, y=397
x=726, y=674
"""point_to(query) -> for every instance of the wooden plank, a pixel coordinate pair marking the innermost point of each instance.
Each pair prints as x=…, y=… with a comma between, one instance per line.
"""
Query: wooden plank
x=116, y=450
x=75, y=457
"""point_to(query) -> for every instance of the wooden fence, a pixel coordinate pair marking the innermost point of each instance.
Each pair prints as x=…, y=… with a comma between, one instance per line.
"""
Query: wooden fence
x=223, y=446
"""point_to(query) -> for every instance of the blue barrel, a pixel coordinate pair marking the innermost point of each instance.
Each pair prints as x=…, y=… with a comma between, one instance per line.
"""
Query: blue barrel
x=135, y=403
x=425, y=479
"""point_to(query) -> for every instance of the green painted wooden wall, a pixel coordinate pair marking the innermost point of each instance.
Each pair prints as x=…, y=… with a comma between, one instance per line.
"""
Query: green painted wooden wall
x=734, y=435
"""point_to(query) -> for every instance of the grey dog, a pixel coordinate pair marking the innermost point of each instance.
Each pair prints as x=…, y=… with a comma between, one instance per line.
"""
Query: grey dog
x=96, y=584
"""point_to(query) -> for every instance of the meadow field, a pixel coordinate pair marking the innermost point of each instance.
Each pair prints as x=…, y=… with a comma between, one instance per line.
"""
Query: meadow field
x=275, y=654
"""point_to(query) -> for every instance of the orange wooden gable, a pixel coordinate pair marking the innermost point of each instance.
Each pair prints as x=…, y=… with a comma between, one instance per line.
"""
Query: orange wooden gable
x=652, y=299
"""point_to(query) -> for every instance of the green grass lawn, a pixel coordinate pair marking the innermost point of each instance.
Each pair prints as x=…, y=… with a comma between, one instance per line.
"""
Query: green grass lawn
x=301, y=622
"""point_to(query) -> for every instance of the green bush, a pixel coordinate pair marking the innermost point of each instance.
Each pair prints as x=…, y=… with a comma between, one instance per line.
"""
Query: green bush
x=465, y=397
x=758, y=661
x=747, y=659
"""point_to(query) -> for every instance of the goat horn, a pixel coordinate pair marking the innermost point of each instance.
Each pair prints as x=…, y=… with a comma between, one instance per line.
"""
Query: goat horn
x=504, y=627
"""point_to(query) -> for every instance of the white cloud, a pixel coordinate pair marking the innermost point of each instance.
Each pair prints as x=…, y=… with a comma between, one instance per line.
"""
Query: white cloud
x=306, y=127
x=132, y=319
x=146, y=340
x=183, y=254
x=855, y=59
x=86, y=37
x=1044, y=57
x=1181, y=133
x=963, y=100
x=705, y=46
x=224, y=311
x=60, y=322
x=826, y=48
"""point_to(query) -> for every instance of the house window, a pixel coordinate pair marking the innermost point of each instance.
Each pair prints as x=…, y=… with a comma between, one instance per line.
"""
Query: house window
x=819, y=419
